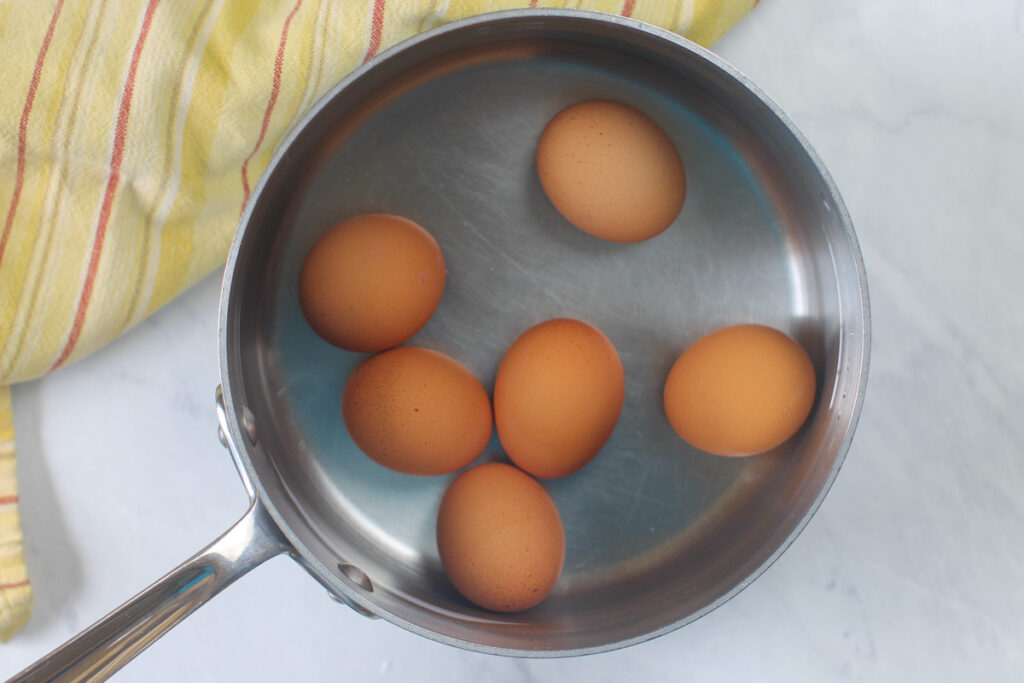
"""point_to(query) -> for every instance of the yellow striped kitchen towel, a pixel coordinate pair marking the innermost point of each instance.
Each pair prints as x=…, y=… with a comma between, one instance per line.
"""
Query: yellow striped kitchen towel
x=131, y=134
x=15, y=590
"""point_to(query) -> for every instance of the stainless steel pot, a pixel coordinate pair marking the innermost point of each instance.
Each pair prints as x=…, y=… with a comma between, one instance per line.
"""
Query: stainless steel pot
x=443, y=129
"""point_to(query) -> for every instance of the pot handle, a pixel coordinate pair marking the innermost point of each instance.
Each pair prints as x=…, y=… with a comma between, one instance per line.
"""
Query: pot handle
x=114, y=640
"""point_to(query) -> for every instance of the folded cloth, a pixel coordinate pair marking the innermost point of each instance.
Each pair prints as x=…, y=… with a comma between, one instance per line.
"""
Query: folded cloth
x=15, y=590
x=131, y=136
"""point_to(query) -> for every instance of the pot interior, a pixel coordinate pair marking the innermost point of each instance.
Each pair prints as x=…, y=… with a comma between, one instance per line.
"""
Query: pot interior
x=444, y=131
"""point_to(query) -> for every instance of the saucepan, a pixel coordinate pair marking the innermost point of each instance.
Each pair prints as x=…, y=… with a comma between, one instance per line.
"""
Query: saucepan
x=443, y=129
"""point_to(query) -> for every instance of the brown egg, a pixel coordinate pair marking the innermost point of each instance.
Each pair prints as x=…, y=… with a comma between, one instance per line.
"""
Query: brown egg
x=500, y=538
x=417, y=411
x=557, y=397
x=741, y=390
x=371, y=282
x=611, y=171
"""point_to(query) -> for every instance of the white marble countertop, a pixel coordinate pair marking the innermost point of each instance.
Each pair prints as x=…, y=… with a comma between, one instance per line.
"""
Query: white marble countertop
x=912, y=568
